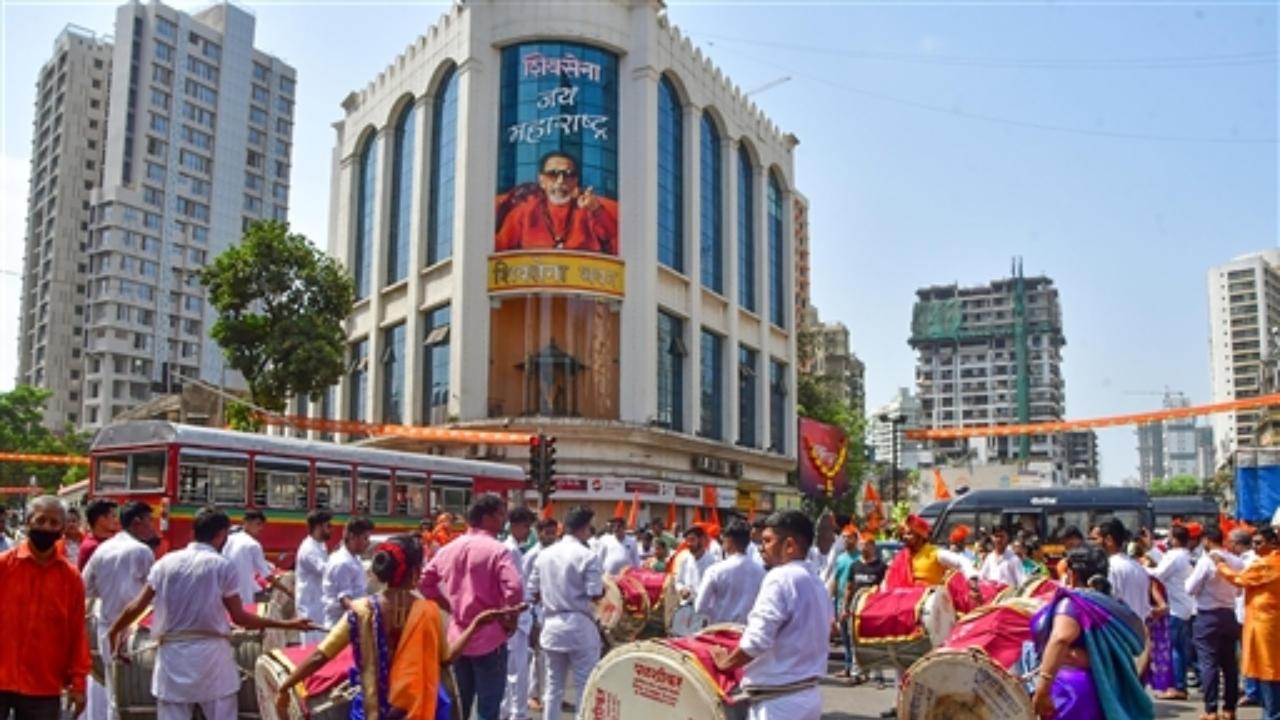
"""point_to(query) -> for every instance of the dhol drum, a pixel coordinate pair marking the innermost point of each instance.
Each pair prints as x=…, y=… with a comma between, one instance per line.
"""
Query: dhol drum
x=894, y=628
x=663, y=600
x=672, y=678
x=999, y=630
x=621, y=616
x=685, y=621
x=961, y=685
x=962, y=596
x=281, y=607
x=326, y=695
x=132, y=682
x=1040, y=588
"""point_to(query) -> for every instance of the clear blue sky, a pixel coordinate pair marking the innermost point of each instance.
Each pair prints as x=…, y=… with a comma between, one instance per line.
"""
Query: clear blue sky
x=928, y=151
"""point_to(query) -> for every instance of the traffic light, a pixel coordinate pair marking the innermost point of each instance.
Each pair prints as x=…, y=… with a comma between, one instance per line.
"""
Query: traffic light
x=535, y=460
x=549, y=460
x=542, y=463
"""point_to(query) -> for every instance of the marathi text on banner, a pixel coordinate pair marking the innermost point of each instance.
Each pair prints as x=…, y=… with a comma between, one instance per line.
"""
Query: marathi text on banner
x=557, y=271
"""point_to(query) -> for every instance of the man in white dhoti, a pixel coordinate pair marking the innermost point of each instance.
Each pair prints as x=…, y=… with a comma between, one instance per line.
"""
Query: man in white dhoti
x=566, y=580
x=116, y=573
x=522, y=543
x=192, y=592
x=245, y=552
x=548, y=534
x=344, y=577
x=308, y=570
x=785, y=644
x=729, y=587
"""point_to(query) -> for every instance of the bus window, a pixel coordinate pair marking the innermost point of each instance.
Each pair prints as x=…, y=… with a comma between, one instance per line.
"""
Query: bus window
x=146, y=470
x=1027, y=522
x=447, y=497
x=113, y=473
x=1060, y=520
x=373, y=491
x=976, y=522
x=280, y=483
x=333, y=487
x=214, y=477
x=411, y=494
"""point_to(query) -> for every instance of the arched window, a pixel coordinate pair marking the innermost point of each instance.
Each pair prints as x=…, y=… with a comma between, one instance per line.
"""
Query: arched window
x=670, y=177
x=362, y=261
x=401, y=196
x=777, y=265
x=712, y=247
x=444, y=154
x=746, y=231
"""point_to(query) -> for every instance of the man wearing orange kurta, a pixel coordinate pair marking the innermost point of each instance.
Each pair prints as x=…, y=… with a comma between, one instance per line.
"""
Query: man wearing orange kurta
x=1261, y=583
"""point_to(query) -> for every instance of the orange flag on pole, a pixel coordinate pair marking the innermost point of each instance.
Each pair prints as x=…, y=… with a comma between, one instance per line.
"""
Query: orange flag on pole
x=634, y=516
x=872, y=495
x=697, y=516
x=940, y=491
x=671, y=518
x=548, y=511
x=619, y=511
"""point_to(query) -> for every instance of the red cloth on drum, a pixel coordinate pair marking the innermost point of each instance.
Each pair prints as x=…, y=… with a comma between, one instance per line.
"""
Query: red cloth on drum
x=998, y=629
x=962, y=599
x=892, y=614
x=634, y=594
x=700, y=646
x=329, y=675
x=1044, y=591
x=653, y=582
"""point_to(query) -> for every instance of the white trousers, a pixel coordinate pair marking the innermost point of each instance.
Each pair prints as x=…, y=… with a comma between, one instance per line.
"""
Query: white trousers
x=558, y=665
x=224, y=708
x=804, y=705
x=515, y=701
x=536, y=671
x=99, y=703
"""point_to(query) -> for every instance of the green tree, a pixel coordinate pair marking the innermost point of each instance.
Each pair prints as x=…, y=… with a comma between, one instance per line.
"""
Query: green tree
x=22, y=430
x=281, y=306
x=1176, y=485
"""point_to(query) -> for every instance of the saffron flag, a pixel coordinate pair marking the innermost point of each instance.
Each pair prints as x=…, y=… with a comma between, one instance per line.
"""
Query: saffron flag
x=634, y=516
x=872, y=495
x=619, y=511
x=940, y=491
x=548, y=511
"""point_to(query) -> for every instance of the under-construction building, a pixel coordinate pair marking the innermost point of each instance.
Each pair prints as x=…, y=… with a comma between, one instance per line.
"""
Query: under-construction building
x=992, y=355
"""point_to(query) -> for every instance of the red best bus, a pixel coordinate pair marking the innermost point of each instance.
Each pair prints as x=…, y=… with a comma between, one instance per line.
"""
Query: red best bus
x=179, y=469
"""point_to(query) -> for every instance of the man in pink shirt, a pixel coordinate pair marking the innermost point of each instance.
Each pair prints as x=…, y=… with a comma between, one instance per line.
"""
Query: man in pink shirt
x=470, y=575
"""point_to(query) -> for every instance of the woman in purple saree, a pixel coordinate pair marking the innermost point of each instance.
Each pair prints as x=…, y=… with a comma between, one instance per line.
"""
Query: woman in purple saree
x=1087, y=642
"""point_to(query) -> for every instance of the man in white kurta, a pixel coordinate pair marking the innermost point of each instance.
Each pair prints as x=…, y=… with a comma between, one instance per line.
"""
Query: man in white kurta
x=548, y=534
x=515, y=701
x=729, y=588
x=692, y=563
x=344, y=576
x=245, y=553
x=309, y=572
x=566, y=579
x=115, y=574
x=1002, y=565
x=616, y=553
x=785, y=644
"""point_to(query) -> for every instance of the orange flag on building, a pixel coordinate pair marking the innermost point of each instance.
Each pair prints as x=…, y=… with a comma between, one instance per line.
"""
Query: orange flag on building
x=634, y=516
x=940, y=491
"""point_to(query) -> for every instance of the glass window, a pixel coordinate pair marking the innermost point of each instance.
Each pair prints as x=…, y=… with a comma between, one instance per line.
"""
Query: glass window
x=333, y=487
x=747, y=371
x=444, y=152
x=712, y=247
x=219, y=480
x=358, y=379
x=146, y=470
x=436, y=367
x=777, y=264
x=671, y=353
x=709, y=421
x=111, y=473
x=362, y=264
x=393, y=374
x=280, y=483
x=401, y=196
x=670, y=177
x=777, y=406
x=746, y=232
x=411, y=494
x=373, y=491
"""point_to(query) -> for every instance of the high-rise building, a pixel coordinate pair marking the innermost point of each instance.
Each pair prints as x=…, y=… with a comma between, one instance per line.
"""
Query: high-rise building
x=833, y=360
x=912, y=454
x=1081, y=462
x=1179, y=446
x=800, y=222
x=1244, y=317
x=67, y=145
x=563, y=218
x=991, y=355
x=199, y=141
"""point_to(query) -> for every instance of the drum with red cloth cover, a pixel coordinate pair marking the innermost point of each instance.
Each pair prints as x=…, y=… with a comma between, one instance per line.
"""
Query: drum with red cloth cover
x=897, y=626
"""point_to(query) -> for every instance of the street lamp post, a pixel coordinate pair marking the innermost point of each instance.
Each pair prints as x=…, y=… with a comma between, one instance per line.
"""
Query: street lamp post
x=895, y=421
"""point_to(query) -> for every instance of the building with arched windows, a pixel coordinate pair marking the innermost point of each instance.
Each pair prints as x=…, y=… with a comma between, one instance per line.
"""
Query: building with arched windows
x=564, y=218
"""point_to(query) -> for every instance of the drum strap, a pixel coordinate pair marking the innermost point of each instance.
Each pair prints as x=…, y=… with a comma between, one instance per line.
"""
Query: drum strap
x=768, y=692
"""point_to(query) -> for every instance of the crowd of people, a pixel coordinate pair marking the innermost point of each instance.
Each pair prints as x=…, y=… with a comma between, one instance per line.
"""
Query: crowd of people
x=494, y=617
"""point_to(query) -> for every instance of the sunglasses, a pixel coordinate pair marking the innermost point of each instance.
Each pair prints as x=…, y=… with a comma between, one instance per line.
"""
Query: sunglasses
x=561, y=174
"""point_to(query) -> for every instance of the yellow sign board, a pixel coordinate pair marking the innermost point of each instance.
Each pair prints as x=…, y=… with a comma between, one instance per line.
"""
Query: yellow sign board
x=557, y=272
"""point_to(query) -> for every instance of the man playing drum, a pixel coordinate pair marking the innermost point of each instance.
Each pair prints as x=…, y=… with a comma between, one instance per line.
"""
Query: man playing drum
x=309, y=564
x=617, y=552
x=115, y=575
x=193, y=591
x=784, y=646
x=729, y=588
x=245, y=553
x=921, y=562
x=692, y=562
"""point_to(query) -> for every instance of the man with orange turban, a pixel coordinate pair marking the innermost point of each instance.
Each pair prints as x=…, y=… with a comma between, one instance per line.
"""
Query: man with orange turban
x=920, y=562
